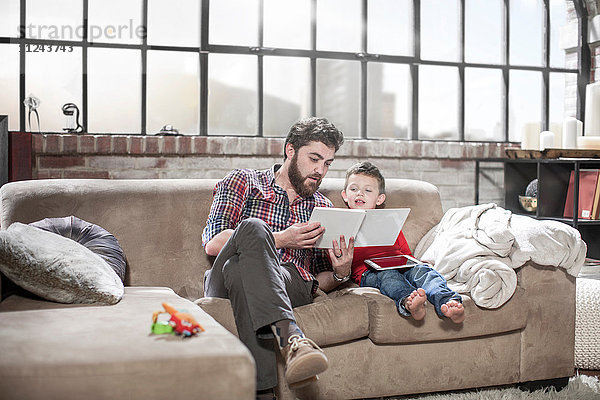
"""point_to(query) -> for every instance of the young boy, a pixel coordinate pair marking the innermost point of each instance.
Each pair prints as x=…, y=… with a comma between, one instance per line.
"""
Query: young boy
x=410, y=288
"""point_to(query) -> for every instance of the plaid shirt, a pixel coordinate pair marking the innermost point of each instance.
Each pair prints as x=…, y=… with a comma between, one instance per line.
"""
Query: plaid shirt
x=246, y=193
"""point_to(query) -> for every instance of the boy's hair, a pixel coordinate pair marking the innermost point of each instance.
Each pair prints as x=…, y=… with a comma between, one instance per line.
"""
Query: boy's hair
x=366, y=168
x=313, y=129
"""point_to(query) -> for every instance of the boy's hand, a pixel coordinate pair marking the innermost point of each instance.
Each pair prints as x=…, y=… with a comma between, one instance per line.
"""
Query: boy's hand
x=341, y=256
x=299, y=236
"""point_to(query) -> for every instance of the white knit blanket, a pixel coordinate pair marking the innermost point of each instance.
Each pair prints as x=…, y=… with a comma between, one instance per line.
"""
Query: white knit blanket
x=478, y=248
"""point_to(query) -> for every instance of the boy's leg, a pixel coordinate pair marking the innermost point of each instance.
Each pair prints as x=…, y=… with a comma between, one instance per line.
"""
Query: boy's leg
x=434, y=284
x=391, y=283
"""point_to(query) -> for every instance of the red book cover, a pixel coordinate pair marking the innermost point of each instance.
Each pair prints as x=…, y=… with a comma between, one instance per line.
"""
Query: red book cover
x=588, y=181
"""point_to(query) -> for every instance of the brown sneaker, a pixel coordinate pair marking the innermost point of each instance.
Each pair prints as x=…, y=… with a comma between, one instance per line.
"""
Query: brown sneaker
x=303, y=361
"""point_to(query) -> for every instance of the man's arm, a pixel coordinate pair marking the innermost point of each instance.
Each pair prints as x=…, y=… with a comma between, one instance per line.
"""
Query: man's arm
x=225, y=212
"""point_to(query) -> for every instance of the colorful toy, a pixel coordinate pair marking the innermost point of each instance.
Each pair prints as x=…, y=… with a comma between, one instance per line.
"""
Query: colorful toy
x=180, y=323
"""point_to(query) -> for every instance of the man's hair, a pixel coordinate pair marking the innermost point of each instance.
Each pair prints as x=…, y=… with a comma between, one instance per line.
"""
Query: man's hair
x=313, y=129
x=366, y=168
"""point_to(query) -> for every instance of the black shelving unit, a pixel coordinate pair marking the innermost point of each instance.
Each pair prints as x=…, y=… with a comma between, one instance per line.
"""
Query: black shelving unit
x=553, y=182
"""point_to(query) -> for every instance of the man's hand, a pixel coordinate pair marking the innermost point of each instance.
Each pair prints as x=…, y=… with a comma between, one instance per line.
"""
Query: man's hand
x=342, y=265
x=299, y=236
x=341, y=256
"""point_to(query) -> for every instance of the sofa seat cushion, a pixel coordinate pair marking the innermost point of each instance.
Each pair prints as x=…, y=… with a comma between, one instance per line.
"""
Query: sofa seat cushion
x=327, y=321
x=52, y=351
x=387, y=326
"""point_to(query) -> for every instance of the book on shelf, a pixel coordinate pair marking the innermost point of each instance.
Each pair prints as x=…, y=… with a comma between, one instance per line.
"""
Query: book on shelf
x=401, y=261
x=589, y=194
x=373, y=227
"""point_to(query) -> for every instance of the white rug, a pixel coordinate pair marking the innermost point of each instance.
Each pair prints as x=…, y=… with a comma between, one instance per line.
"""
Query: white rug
x=580, y=387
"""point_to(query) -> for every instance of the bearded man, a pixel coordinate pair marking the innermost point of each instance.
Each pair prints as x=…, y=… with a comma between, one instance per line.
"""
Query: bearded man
x=266, y=264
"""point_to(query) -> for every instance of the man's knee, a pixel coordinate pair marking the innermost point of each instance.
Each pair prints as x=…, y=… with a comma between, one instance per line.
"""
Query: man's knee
x=254, y=227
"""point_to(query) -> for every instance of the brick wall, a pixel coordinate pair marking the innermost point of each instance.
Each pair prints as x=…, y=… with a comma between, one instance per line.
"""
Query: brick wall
x=448, y=165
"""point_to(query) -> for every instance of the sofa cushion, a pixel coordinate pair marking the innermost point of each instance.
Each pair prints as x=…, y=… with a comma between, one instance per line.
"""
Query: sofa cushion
x=327, y=321
x=65, y=351
x=387, y=326
x=93, y=237
x=56, y=268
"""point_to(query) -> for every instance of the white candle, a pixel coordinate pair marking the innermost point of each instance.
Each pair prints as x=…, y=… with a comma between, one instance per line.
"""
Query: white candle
x=546, y=140
x=588, y=142
x=557, y=129
x=592, y=109
x=530, y=136
x=570, y=133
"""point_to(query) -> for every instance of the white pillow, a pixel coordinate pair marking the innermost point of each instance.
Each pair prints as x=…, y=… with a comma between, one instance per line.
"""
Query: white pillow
x=56, y=268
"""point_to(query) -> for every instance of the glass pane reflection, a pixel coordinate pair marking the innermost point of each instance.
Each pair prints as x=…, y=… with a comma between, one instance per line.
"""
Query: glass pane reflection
x=173, y=91
x=390, y=27
x=526, y=32
x=287, y=23
x=232, y=94
x=55, y=79
x=174, y=23
x=483, y=104
x=439, y=30
x=286, y=95
x=339, y=25
x=438, y=102
x=338, y=94
x=9, y=82
x=388, y=101
x=10, y=18
x=483, y=31
x=114, y=91
x=524, y=103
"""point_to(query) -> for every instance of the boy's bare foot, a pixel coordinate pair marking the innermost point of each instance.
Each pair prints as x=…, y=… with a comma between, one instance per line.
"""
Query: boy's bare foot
x=454, y=310
x=415, y=303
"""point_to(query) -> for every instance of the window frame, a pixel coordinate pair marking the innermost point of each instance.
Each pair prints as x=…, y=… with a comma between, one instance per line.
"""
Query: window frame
x=414, y=61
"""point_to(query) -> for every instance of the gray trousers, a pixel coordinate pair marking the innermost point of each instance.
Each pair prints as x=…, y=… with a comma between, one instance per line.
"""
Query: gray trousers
x=261, y=289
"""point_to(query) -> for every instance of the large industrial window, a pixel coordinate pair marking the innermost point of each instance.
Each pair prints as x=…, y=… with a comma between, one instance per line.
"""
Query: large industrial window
x=474, y=70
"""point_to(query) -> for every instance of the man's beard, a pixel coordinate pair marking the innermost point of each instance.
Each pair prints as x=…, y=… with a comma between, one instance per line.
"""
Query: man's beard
x=301, y=184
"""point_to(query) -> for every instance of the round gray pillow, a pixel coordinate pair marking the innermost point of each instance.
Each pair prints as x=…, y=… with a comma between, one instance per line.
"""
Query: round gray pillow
x=94, y=237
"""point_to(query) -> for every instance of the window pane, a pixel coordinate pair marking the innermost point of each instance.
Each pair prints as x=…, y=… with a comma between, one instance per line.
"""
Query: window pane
x=559, y=106
x=280, y=15
x=115, y=21
x=114, y=91
x=58, y=19
x=286, y=96
x=9, y=18
x=174, y=23
x=439, y=30
x=483, y=31
x=525, y=103
x=9, y=82
x=483, y=104
x=388, y=101
x=558, y=18
x=55, y=79
x=339, y=25
x=338, y=94
x=232, y=94
x=526, y=18
x=234, y=22
x=438, y=102
x=173, y=91
x=390, y=27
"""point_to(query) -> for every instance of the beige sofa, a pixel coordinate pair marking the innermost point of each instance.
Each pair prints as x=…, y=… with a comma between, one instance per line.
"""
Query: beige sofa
x=51, y=350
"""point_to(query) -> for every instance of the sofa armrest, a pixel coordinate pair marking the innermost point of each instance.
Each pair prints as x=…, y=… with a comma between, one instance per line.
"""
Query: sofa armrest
x=548, y=340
